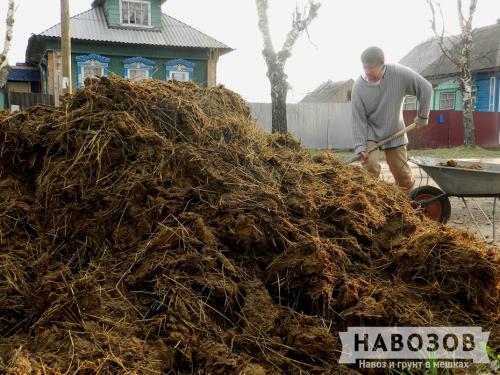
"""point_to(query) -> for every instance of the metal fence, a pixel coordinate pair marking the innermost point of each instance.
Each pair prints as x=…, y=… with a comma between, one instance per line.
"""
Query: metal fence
x=328, y=125
x=315, y=125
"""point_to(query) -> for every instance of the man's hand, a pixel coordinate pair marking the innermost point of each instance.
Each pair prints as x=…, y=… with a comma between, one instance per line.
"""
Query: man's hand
x=363, y=155
x=418, y=126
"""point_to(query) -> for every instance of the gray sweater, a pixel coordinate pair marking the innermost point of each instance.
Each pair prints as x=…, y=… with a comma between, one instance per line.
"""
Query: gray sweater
x=377, y=109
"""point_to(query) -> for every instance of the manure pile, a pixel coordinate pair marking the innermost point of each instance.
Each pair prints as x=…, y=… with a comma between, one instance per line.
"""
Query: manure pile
x=152, y=228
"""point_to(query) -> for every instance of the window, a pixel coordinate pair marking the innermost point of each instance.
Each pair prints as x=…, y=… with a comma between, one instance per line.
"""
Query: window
x=136, y=13
x=410, y=103
x=138, y=74
x=491, y=103
x=180, y=70
x=179, y=76
x=138, y=68
x=90, y=66
x=92, y=71
x=447, y=100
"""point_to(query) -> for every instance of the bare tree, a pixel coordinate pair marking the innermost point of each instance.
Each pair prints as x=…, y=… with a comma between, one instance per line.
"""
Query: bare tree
x=4, y=61
x=276, y=60
x=460, y=55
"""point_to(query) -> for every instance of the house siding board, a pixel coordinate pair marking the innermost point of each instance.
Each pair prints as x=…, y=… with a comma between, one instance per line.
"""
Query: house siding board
x=106, y=10
x=459, y=103
x=112, y=11
x=155, y=13
x=200, y=73
x=117, y=55
x=483, y=97
x=50, y=69
x=19, y=86
x=497, y=93
x=497, y=101
x=116, y=67
x=153, y=53
x=211, y=72
x=45, y=86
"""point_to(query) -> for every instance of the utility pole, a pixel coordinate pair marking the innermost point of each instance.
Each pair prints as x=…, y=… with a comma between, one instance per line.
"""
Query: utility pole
x=66, y=48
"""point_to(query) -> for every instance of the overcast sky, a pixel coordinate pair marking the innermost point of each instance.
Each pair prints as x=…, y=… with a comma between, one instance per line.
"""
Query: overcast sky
x=336, y=38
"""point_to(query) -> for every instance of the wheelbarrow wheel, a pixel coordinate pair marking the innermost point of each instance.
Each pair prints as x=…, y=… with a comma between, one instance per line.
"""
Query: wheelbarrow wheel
x=438, y=209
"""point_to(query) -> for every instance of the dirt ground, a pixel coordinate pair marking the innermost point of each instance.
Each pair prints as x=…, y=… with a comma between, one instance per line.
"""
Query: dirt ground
x=481, y=208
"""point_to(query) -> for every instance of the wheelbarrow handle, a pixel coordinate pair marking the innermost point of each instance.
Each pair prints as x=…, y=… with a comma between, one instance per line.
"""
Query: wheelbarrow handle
x=384, y=141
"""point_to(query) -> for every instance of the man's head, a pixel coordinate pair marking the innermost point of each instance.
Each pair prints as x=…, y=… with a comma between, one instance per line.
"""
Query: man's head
x=373, y=60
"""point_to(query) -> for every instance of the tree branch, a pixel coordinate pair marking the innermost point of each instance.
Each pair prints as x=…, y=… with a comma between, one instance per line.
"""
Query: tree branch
x=262, y=7
x=4, y=62
x=461, y=19
x=440, y=36
x=460, y=55
x=299, y=25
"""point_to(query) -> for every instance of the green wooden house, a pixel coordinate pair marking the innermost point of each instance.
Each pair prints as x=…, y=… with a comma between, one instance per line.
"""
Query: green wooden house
x=129, y=38
x=447, y=96
x=428, y=59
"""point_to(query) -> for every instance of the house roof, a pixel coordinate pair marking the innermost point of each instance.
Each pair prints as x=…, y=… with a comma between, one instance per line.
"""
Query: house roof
x=428, y=59
x=424, y=55
x=92, y=26
x=24, y=73
x=97, y=3
x=325, y=91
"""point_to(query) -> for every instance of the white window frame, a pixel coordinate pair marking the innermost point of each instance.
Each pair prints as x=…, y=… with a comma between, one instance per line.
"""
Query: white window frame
x=410, y=100
x=92, y=66
x=91, y=60
x=135, y=24
x=138, y=68
x=453, y=94
x=180, y=66
x=186, y=75
x=498, y=91
x=491, y=97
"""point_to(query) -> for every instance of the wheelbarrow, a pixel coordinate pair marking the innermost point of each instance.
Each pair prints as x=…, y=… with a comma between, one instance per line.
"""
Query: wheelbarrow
x=455, y=181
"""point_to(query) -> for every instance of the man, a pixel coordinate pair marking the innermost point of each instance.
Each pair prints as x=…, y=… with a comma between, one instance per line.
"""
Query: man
x=377, y=103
